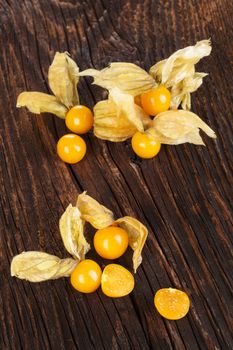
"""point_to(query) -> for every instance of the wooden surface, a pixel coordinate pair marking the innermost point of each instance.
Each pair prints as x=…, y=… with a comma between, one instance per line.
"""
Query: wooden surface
x=184, y=196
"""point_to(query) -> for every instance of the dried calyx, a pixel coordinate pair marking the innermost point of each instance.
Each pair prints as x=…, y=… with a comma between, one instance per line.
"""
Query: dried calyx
x=63, y=78
x=36, y=266
x=178, y=72
x=72, y=232
x=118, y=118
x=127, y=77
x=179, y=126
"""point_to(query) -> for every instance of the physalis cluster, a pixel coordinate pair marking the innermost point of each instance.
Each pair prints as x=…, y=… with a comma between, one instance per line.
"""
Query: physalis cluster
x=111, y=241
x=151, y=108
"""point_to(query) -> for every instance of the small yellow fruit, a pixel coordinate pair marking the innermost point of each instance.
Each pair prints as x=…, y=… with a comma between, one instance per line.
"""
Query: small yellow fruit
x=86, y=277
x=171, y=303
x=116, y=281
x=145, y=146
x=71, y=148
x=156, y=100
x=79, y=119
x=111, y=242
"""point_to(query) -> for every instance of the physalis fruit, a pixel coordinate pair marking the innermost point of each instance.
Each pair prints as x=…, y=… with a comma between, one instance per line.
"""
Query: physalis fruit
x=86, y=277
x=171, y=303
x=156, y=100
x=71, y=148
x=111, y=242
x=79, y=119
x=144, y=145
x=116, y=281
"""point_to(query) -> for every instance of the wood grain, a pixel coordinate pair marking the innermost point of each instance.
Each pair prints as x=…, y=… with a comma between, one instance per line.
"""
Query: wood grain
x=184, y=196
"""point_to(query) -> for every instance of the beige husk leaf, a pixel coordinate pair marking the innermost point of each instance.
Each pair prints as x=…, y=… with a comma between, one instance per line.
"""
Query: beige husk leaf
x=128, y=77
x=63, y=77
x=181, y=92
x=72, y=232
x=110, y=125
x=118, y=118
x=180, y=64
x=137, y=233
x=125, y=104
x=38, y=102
x=36, y=266
x=178, y=72
x=176, y=127
x=93, y=212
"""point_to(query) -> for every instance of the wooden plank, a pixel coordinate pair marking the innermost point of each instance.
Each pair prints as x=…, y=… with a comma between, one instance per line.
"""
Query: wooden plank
x=184, y=196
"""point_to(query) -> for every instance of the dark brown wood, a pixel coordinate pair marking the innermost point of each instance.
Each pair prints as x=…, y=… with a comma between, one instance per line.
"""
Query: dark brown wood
x=184, y=196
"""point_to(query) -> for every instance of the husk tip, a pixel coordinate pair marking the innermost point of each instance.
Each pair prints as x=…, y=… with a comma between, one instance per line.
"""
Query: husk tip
x=12, y=267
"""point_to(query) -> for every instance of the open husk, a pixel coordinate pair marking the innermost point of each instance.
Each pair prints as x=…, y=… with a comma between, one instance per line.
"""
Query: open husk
x=118, y=118
x=127, y=77
x=36, y=266
x=110, y=125
x=137, y=233
x=38, y=102
x=179, y=126
x=178, y=72
x=93, y=212
x=72, y=232
x=63, y=78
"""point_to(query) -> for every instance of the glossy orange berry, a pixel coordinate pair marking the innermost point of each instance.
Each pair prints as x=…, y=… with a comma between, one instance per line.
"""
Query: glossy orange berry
x=86, y=277
x=156, y=100
x=145, y=146
x=71, y=148
x=111, y=242
x=171, y=303
x=79, y=119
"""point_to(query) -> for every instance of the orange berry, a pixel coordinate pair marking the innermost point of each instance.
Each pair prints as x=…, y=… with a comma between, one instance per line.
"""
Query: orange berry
x=171, y=303
x=79, y=119
x=156, y=100
x=71, y=148
x=111, y=242
x=116, y=281
x=86, y=277
x=145, y=146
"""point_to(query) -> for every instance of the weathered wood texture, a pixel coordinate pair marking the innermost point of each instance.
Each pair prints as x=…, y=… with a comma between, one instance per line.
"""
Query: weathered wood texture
x=184, y=196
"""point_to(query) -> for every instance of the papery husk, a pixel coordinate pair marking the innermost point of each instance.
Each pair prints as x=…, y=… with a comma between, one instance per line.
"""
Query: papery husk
x=118, y=118
x=63, y=77
x=38, y=102
x=137, y=234
x=181, y=92
x=128, y=77
x=93, y=212
x=125, y=104
x=36, y=266
x=72, y=232
x=178, y=126
x=110, y=125
x=180, y=64
x=178, y=73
